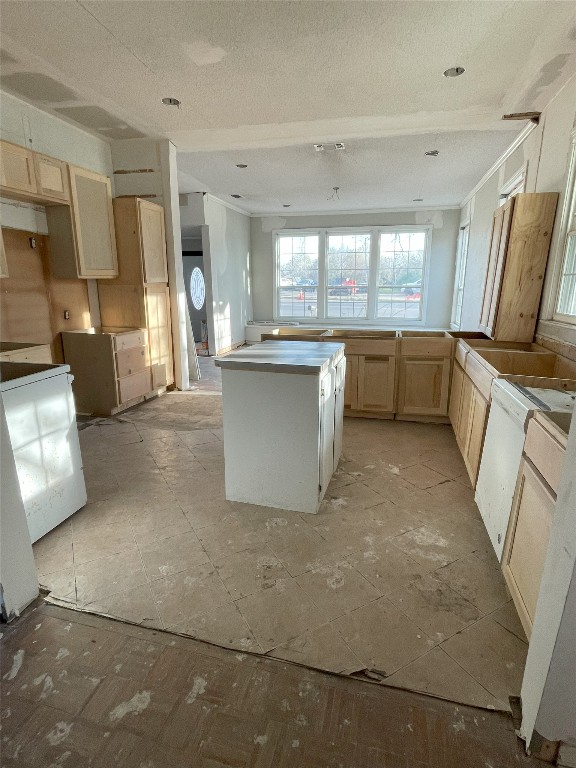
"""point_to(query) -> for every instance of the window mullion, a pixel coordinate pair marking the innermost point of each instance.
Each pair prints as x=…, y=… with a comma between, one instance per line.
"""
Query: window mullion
x=373, y=274
x=322, y=259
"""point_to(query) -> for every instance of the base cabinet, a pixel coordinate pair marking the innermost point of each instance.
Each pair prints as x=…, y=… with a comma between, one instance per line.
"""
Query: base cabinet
x=468, y=414
x=111, y=370
x=376, y=378
x=527, y=541
x=423, y=386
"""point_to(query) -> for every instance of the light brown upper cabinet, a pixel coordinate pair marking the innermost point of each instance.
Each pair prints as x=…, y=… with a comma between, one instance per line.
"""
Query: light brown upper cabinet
x=17, y=174
x=82, y=238
x=52, y=178
x=519, y=245
x=141, y=241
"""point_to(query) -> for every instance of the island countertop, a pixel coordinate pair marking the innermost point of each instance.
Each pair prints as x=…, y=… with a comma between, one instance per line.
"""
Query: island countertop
x=302, y=357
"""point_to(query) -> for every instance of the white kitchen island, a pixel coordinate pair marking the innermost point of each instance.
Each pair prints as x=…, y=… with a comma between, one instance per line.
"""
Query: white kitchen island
x=283, y=413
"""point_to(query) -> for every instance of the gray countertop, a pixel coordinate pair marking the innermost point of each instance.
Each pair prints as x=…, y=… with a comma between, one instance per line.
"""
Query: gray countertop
x=303, y=357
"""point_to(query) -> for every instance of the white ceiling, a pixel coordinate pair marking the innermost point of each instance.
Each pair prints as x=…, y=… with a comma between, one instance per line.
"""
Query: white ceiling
x=271, y=78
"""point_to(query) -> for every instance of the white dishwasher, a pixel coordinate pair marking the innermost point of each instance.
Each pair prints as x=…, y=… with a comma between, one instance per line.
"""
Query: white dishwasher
x=41, y=420
x=511, y=408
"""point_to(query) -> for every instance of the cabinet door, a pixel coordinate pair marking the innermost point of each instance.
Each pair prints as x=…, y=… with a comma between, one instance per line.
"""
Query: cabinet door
x=93, y=224
x=423, y=386
x=52, y=178
x=464, y=413
x=159, y=335
x=376, y=383
x=16, y=168
x=153, y=242
x=496, y=260
x=327, y=404
x=476, y=430
x=339, y=410
x=455, y=396
x=351, y=384
x=527, y=541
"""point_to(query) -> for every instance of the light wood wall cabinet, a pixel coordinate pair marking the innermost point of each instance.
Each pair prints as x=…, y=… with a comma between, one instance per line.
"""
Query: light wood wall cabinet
x=425, y=364
x=17, y=175
x=139, y=296
x=111, y=369
x=519, y=246
x=52, y=178
x=82, y=237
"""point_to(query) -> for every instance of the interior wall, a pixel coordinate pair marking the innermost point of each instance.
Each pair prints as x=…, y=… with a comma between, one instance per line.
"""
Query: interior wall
x=226, y=247
x=442, y=257
x=545, y=154
x=32, y=301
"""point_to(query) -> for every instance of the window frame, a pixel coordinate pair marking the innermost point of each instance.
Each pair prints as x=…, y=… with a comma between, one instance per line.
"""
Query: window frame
x=322, y=317
x=567, y=229
x=460, y=273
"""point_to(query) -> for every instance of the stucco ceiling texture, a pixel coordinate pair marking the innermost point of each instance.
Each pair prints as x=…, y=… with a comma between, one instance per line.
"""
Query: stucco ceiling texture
x=263, y=75
x=372, y=173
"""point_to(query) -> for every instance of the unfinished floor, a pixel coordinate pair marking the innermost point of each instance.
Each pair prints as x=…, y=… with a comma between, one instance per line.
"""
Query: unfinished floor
x=395, y=575
x=81, y=691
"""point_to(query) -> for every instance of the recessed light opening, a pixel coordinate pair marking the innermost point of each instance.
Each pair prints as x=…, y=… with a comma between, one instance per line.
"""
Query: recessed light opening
x=236, y=196
x=286, y=205
x=170, y=101
x=418, y=200
x=241, y=165
x=432, y=152
x=454, y=72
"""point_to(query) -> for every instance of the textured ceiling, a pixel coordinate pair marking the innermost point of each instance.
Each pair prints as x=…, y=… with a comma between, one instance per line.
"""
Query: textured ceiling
x=384, y=172
x=260, y=75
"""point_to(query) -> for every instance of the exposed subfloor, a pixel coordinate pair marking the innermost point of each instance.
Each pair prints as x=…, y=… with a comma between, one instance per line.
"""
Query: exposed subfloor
x=395, y=574
x=79, y=690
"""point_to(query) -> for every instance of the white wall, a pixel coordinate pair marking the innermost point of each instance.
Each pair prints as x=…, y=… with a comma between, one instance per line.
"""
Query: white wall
x=226, y=247
x=545, y=154
x=441, y=274
x=29, y=127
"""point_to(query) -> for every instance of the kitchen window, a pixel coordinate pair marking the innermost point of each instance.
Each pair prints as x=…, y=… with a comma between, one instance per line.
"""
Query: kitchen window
x=459, y=276
x=566, y=297
x=374, y=274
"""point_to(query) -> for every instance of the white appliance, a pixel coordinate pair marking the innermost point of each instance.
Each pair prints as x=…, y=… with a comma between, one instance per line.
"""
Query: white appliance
x=511, y=408
x=41, y=420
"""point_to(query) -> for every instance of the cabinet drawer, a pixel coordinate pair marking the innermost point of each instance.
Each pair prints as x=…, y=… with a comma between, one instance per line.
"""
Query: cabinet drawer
x=460, y=354
x=134, y=386
x=545, y=453
x=380, y=347
x=131, y=360
x=426, y=347
x=40, y=354
x=129, y=340
x=480, y=377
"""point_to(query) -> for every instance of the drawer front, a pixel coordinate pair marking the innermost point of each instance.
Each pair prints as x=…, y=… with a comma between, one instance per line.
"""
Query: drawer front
x=481, y=378
x=134, y=386
x=545, y=453
x=129, y=340
x=426, y=347
x=461, y=353
x=379, y=347
x=41, y=354
x=131, y=360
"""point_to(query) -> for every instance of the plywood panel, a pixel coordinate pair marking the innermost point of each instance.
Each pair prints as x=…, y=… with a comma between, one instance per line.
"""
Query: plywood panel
x=32, y=302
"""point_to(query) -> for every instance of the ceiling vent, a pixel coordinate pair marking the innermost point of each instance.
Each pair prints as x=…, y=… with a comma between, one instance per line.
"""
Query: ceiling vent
x=329, y=147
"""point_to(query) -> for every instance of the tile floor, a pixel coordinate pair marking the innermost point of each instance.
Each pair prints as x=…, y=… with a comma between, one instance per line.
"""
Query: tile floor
x=80, y=690
x=395, y=575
